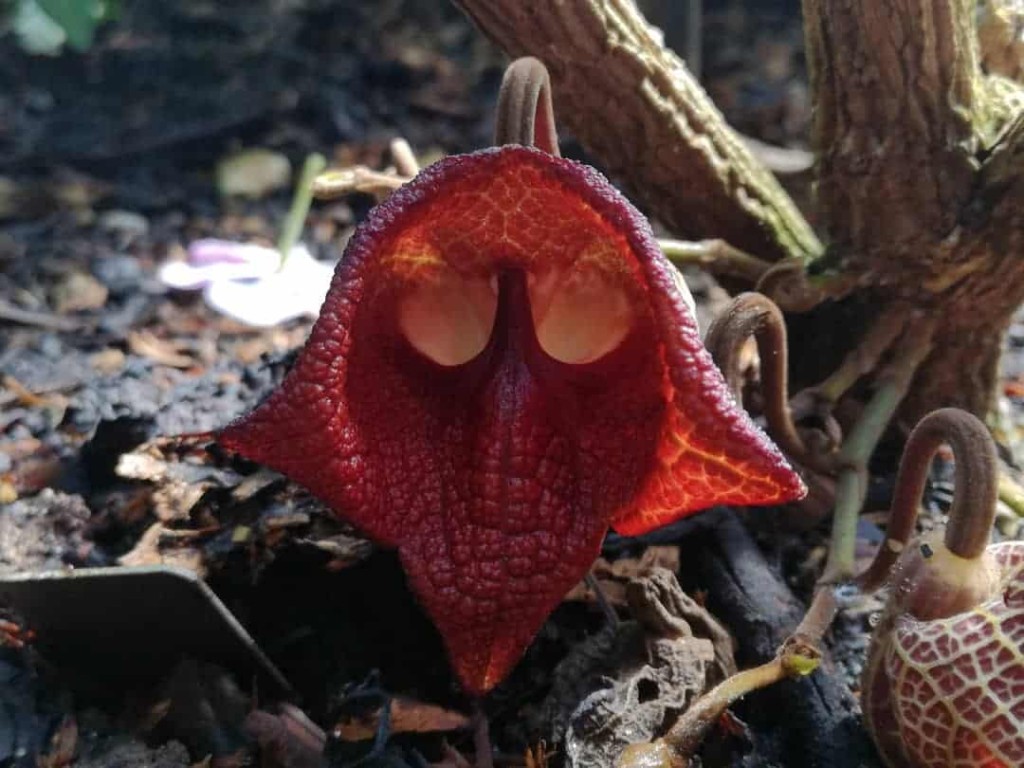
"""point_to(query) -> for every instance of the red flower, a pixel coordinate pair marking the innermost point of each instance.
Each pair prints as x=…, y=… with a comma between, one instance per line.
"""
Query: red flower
x=505, y=365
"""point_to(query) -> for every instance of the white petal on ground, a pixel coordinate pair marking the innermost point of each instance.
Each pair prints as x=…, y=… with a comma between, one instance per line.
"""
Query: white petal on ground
x=245, y=281
x=211, y=261
x=297, y=290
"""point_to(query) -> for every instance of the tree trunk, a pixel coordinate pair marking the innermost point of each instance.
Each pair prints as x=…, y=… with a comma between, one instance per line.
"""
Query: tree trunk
x=919, y=190
x=913, y=185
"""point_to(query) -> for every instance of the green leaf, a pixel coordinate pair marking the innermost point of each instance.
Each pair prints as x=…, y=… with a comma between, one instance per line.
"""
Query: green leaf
x=78, y=19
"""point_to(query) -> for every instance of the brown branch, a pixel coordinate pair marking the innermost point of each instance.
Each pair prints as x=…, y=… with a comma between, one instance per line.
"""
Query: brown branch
x=634, y=105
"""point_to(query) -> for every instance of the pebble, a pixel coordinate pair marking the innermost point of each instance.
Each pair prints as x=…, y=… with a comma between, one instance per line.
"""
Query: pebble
x=123, y=222
x=120, y=274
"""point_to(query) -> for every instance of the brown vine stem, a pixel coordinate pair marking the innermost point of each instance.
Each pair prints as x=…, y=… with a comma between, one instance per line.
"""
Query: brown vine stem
x=788, y=285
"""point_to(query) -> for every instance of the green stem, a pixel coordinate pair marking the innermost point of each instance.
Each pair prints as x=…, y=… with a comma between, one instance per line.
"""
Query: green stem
x=851, y=484
x=1011, y=494
x=717, y=257
x=301, y=200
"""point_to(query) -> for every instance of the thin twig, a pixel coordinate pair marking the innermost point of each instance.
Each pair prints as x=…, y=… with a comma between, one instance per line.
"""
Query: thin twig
x=46, y=320
x=358, y=178
x=404, y=159
x=864, y=358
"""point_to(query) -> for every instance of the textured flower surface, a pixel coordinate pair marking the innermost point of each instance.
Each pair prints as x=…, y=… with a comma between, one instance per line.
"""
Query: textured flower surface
x=951, y=691
x=506, y=364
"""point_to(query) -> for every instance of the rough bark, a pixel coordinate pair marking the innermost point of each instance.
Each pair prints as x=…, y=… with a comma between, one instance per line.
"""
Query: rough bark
x=635, y=106
x=917, y=180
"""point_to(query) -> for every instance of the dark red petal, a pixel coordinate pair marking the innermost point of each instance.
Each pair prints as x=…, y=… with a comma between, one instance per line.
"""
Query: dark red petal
x=497, y=473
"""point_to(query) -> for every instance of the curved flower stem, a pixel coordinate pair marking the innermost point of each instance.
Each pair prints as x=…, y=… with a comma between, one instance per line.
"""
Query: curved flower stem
x=525, y=114
x=974, y=497
x=751, y=314
x=717, y=257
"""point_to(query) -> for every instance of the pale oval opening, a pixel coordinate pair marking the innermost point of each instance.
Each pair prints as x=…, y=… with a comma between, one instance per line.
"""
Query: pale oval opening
x=580, y=315
x=448, y=317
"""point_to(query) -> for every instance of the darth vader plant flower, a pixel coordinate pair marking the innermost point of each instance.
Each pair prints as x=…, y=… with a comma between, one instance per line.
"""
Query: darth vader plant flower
x=504, y=366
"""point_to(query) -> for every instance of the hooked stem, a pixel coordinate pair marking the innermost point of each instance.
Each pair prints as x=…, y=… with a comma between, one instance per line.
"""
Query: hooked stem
x=752, y=314
x=525, y=114
x=974, y=496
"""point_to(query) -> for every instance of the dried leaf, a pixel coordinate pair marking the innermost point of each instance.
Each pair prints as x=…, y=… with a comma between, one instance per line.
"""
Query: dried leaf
x=407, y=716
